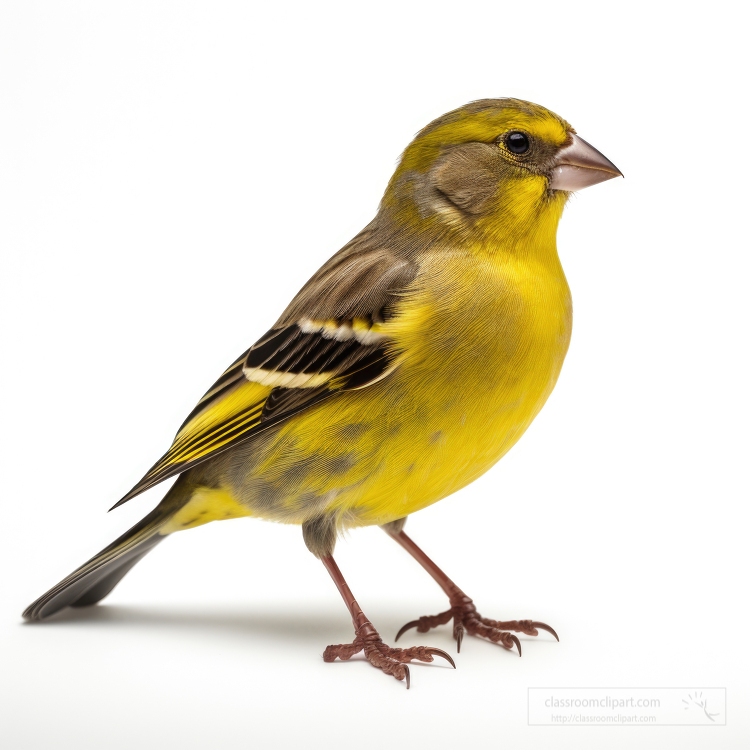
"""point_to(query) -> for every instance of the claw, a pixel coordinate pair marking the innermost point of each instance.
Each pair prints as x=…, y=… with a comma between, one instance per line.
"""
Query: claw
x=545, y=627
x=517, y=642
x=408, y=626
x=440, y=652
x=408, y=676
x=459, y=638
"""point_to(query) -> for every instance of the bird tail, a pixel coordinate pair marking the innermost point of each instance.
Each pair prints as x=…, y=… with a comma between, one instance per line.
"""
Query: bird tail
x=95, y=579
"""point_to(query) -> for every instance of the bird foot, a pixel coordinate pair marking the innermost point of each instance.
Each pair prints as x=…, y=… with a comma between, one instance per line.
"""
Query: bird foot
x=466, y=619
x=392, y=661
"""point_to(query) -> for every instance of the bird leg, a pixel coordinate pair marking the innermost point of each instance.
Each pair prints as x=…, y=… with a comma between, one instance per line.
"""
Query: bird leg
x=462, y=611
x=392, y=661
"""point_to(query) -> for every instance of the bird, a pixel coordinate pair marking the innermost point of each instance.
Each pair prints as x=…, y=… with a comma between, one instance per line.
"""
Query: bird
x=409, y=364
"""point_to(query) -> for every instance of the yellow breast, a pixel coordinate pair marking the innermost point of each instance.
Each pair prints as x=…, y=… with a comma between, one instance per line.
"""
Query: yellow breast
x=485, y=348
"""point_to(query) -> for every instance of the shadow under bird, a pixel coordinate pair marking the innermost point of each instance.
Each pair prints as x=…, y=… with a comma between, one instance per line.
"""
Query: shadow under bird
x=407, y=366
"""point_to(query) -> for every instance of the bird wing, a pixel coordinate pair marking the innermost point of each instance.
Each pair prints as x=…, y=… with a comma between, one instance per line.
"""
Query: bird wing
x=328, y=341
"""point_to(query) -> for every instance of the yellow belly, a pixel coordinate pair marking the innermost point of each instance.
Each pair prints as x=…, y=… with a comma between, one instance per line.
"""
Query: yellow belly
x=479, y=361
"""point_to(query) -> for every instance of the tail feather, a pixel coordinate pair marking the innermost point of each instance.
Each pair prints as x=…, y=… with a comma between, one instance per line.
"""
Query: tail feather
x=95, y=579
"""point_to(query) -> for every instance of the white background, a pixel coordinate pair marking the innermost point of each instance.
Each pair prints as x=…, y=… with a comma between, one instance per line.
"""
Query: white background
x=171, y=174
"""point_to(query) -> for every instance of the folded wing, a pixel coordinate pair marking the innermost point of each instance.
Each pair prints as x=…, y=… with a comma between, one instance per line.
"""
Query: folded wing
x=330, y=340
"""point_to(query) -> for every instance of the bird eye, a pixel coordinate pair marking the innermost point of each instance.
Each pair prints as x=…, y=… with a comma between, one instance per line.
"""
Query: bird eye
x=517, y=143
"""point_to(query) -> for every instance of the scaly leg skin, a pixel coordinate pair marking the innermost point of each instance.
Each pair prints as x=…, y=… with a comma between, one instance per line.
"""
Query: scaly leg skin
x=392, y=661
x=464, y=614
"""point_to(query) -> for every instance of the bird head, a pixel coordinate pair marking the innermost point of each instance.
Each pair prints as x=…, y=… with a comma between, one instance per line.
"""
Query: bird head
x=502, y=167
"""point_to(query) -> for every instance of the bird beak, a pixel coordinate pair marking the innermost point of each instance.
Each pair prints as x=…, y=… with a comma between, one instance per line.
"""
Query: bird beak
x=580, y=165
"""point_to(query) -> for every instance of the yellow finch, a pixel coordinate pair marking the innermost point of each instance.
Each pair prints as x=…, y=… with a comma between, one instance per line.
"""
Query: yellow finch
x=409, y=364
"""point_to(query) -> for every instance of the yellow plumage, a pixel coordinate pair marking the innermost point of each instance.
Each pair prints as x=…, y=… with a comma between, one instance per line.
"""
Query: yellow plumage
x=410, y=363
x=481, y=337
x=455, y=404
